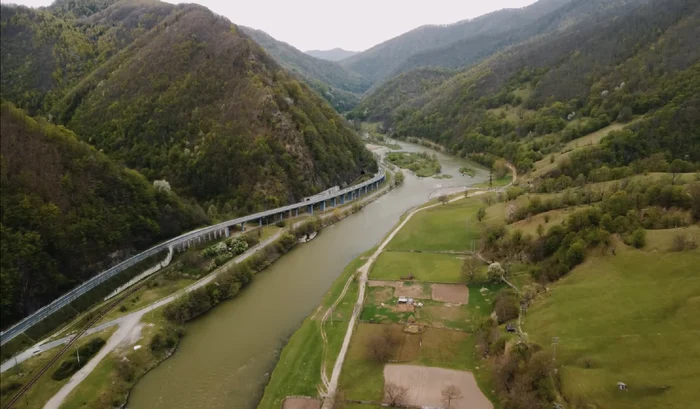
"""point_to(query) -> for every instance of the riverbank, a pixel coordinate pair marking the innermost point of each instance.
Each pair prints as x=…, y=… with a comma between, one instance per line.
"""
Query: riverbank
x=215, y=356
x=333, y=338
x=330, y=336
x=114, y=381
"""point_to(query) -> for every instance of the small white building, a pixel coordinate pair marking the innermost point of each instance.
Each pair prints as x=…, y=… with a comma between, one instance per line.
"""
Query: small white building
x=405, y=300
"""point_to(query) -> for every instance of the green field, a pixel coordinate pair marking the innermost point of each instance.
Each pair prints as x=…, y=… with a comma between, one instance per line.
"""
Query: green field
x=363, y=379
x=629, y=318
x=447, y=227
x=299, y=366
x=434, y=314
x=439, y=268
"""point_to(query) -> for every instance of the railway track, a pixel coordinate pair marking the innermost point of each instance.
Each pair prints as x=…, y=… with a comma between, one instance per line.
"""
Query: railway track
x=70, y=343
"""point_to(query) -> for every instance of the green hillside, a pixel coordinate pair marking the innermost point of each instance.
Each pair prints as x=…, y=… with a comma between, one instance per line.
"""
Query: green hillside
x=179, y=94
x=68, y=211
x=523, y=103
x=381, y=102
x=340, y=86
x=385, y=60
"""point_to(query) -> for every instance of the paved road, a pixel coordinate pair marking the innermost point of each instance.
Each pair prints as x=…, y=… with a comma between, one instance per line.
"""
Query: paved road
x=129, y=322
x=41, y=347
x=210, y=231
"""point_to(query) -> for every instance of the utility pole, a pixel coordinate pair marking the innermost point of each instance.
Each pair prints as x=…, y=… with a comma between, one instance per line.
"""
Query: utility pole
x=555, y=342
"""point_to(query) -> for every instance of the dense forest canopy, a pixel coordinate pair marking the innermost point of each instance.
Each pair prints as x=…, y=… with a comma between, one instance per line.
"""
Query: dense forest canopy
x=179, y=93
x=555, y=88
x=341, y=87
x=174, y=92
x=68, y=211
x=385, y=60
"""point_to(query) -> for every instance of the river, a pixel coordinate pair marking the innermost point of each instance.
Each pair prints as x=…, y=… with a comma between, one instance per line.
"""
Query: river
x=227, y=355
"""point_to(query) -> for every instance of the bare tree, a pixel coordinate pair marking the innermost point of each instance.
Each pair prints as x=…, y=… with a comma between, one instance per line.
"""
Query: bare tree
x=394, y=394
x=469, y=268
x=378, y=348
x=451, y=393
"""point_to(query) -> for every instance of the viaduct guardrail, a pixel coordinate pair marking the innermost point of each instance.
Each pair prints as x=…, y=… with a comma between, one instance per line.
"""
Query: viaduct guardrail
x=184, y=241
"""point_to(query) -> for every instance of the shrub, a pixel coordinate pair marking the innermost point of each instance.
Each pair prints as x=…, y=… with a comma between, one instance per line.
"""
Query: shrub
x=638, y=238
x=238, y=245
x=70, y=365
x=683, y=242
x=506, y=306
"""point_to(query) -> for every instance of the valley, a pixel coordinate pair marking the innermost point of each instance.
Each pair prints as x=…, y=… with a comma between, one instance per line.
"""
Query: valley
x=502, y=212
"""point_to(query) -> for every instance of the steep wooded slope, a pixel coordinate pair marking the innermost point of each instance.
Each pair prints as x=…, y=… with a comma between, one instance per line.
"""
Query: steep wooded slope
x=340, y=86
x=388, y=97
x=180, y=94
x=382, y=61
x=642, y=57
x=68, y=211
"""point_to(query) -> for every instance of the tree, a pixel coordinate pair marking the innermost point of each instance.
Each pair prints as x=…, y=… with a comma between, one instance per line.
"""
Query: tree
x=443, y=199
x=495, y=272
x=480, y=214
x=381, y=347
x=540, y=230
x=694, y=192
x=639, y=238
x=500, y=169
x=394, y=394
x=451, y=393
x=676, y=167
x=469, y=268
x=399, y=178
x=576, y=253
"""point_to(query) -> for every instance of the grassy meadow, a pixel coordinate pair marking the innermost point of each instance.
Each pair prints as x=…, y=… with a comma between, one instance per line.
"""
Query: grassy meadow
x=629, y=318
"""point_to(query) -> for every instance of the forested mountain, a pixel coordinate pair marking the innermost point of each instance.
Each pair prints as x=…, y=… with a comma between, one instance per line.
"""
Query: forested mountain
x=632, y=60
x=173, y=91
x=68, y=211
x=180, y=94
x=379, y=103
x=341, y=87
x=384, y=60
x=335, y=54
x=466, y=52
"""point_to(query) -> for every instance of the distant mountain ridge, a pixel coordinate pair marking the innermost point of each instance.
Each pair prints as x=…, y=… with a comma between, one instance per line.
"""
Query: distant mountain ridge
x=340, y=86
x=336, y=54
x=382, y=61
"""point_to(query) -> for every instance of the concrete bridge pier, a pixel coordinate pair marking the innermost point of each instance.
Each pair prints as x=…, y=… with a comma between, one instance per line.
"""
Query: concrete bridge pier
x=311, y=209
x=228, y=232
x=334, y=202
x=242, y=227
x=323, y=206
x=342, y=199
x=296, y=212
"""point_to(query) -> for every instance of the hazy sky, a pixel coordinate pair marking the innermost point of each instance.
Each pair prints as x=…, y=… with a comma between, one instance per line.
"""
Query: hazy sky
x=353, y=25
